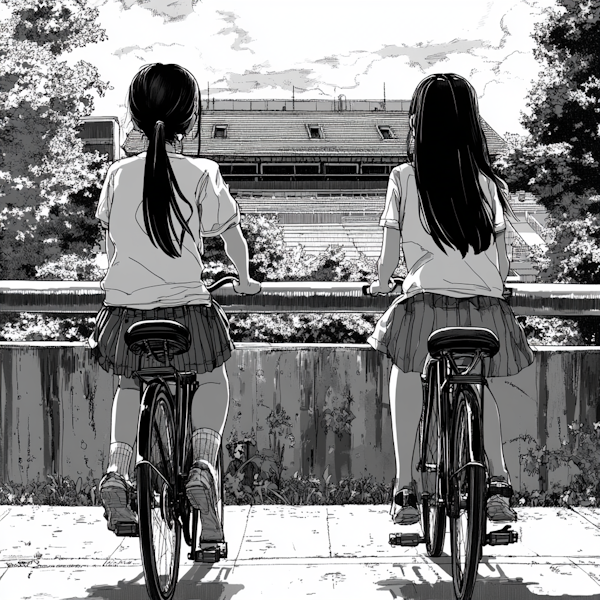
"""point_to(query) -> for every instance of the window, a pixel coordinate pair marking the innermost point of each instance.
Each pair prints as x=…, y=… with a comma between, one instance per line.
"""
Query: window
x=315, y=132
x=307, y=169
x=375, y=170
x=385, y=131
x=278, y=169
x=220, y=131
x=341, y=169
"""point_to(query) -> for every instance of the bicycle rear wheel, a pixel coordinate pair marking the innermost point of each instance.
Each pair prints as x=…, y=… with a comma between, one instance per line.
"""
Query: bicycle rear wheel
x=160, y=529
x=432, y=470
x=467, y=492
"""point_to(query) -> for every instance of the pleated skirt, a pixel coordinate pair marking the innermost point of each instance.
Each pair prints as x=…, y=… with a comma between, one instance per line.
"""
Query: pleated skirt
x=402, y=331
x=211, y=343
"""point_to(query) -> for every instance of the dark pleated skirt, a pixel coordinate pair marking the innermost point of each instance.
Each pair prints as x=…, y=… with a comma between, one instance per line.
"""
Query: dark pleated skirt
x=402, y=331
x=211, y=343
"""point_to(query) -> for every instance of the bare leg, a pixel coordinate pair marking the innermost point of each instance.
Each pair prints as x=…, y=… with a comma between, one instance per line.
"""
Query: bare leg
x=406, y=401
x=209, y=413
x=211, y=402
x=492, y=435
x=125, y=413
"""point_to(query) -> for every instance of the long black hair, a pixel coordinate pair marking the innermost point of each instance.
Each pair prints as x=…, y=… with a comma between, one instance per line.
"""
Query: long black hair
x=450, y=151
x=163, y=100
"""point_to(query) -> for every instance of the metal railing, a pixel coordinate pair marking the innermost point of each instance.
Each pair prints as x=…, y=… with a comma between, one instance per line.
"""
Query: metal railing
x=74, y=297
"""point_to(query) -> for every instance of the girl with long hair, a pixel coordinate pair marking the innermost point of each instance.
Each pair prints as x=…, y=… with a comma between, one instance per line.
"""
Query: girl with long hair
x=155, y=208
x=445, y=209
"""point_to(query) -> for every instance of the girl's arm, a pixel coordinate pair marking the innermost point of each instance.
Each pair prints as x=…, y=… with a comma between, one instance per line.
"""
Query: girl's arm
x=388, y=261
x=110, y=247
x=503, y=262
x=237, y=250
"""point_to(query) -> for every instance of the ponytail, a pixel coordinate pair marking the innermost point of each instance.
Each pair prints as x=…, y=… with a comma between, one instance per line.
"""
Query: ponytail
x=158, y=199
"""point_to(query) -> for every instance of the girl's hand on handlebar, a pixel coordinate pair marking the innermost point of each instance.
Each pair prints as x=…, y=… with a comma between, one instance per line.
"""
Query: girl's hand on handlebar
x=379, y=288
x=247, y=288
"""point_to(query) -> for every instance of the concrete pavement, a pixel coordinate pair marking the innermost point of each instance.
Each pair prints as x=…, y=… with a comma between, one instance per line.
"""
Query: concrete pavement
x=288, y=552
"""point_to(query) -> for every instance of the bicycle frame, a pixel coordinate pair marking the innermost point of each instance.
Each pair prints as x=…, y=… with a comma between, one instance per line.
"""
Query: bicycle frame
x=449, y=374
x=185, y=388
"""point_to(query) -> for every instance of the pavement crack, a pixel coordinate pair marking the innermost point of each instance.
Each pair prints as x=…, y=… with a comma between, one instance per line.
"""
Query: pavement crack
x=328, y=532
x=243, y=538
x=584, y=517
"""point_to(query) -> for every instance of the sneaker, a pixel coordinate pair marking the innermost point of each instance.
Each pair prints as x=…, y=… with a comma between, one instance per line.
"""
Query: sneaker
x=498, y=505
x=201, y=490
x=114, y=494
x=405, y=510
x=498, y=509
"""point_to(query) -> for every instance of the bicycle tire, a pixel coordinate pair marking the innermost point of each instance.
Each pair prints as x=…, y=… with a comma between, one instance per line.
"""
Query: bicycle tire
x=160, y=529
x=467, y=492
x=432, y=471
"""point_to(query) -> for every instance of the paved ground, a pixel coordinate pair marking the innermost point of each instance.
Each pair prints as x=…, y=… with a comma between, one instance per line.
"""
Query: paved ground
x=295, y=552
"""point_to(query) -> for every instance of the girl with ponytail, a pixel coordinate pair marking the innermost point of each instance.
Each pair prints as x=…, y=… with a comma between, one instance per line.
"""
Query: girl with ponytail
x=155, y=208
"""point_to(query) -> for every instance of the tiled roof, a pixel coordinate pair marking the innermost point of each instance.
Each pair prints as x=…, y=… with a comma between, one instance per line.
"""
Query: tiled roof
x=284, y=133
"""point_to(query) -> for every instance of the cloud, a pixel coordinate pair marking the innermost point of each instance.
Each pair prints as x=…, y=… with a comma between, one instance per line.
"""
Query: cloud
x=130, y=49
x=174, y=10
x=425, y=56
x=241, y=35
x=301, y=79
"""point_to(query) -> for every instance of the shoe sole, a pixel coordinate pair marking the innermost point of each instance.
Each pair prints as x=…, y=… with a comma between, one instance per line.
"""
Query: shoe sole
x=201, y=498
x=114, y=497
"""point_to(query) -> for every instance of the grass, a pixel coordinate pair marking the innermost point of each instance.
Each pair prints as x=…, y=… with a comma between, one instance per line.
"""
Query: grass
x=296, y=491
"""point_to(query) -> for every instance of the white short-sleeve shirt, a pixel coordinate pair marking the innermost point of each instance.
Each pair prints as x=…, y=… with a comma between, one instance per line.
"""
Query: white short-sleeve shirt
x=430, y=269
x=140, y=275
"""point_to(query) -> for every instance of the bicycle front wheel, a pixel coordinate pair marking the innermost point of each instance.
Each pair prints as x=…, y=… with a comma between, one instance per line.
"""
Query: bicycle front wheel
x=467, y=492
x=160, y=529
x=432, y=470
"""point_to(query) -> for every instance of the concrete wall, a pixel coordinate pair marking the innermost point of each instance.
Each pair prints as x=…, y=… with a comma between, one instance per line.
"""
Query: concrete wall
x=55, y=407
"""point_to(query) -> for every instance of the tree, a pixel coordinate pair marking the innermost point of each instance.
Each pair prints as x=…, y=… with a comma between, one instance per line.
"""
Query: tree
x=559, y=161
x=48, y=184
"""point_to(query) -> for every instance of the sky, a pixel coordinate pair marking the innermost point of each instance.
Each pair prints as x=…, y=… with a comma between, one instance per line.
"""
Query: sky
x=262, y=48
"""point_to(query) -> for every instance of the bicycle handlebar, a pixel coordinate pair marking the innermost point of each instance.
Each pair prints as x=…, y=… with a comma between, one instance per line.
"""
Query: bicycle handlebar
x=221, y=282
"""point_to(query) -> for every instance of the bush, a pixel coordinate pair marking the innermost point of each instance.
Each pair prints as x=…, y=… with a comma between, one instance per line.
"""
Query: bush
x=270, y=260
x=581, y=448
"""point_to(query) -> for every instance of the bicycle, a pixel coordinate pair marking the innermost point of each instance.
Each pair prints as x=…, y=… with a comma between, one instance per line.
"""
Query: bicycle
x=165, y=458
x=452, y=460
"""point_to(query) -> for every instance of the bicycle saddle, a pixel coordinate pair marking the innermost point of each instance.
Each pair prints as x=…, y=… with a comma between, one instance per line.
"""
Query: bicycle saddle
x=153, y=334
x=462, y=339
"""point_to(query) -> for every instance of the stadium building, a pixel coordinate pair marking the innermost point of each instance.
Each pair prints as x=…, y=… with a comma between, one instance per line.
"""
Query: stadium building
x=322, y=167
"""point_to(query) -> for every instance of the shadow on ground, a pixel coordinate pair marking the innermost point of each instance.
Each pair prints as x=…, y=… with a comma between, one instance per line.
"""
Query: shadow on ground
x=499, y=587
x=189, y=587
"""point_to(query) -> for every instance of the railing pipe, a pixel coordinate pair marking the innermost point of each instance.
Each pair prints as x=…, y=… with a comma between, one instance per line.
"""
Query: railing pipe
x=77, y=297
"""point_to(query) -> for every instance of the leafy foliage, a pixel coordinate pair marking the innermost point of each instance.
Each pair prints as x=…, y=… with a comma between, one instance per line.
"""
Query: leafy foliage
x=48, y=184
x=581, y=448
x=560, y=158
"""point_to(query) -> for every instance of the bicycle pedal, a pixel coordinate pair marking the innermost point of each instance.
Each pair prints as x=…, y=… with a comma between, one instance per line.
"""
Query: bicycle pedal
x=406, y=539
x=502, y=537
x=211, y=552
x=127, y=530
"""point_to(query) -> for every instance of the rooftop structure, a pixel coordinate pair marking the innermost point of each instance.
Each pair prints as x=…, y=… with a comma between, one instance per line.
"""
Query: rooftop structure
x=306, y=145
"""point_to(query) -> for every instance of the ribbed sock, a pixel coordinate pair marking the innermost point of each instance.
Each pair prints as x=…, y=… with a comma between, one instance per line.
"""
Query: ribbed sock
x=205, y=445
x=119, y=458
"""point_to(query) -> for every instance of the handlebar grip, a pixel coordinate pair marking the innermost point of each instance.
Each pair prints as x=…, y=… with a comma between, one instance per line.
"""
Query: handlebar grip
x=397, y=281
x=221, y=282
